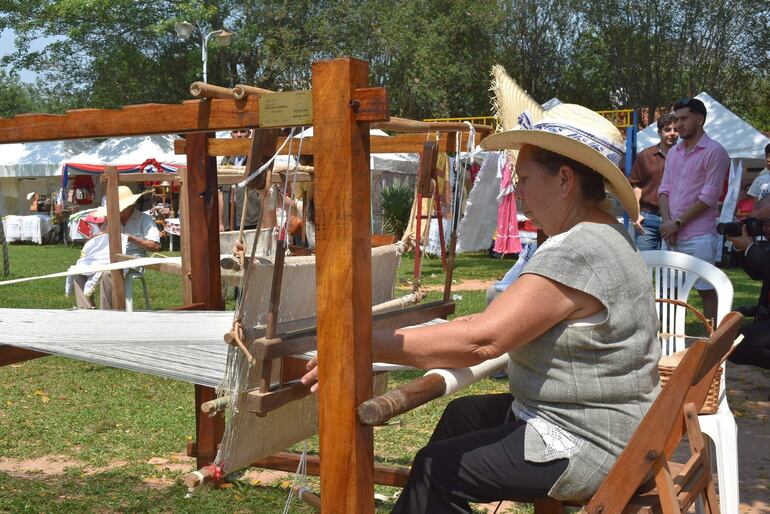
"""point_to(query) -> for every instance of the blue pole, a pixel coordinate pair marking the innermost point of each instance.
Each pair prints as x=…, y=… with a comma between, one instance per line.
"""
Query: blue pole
x=630, y=153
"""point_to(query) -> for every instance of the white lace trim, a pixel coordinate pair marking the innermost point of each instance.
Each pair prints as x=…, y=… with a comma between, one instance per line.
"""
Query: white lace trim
x=559, y=444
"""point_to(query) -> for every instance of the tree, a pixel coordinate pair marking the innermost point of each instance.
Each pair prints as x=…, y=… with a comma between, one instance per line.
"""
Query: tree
x=660, y=51
x=535, y=42
x=433, y=55
x=16, y=97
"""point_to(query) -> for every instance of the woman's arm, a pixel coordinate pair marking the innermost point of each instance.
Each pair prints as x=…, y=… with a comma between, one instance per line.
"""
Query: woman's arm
x=527, y=309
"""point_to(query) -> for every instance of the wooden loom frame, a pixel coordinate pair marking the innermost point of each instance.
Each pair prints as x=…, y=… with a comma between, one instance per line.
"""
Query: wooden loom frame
x=343, y=108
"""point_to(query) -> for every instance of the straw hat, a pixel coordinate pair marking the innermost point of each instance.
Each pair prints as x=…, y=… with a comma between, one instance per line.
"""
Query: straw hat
x=580, y=134
x=126, y=198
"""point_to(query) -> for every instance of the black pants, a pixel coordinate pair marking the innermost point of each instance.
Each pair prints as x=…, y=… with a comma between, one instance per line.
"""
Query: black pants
x=476, y=454
x=755, y=348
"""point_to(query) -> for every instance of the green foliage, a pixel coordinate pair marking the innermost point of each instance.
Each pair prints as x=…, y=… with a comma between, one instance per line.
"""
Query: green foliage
x=16, y=97
x=396, y=203
x=433, y=55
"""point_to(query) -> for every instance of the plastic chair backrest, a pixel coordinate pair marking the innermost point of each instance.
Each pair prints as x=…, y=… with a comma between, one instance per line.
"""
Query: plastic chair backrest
x=673, y=275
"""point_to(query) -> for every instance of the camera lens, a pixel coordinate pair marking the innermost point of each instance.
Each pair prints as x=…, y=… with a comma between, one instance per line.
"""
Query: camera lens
x=753, y=227
x=732, y=229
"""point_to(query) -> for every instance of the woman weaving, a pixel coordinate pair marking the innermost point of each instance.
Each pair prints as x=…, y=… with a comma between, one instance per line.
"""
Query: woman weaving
x=579, y=326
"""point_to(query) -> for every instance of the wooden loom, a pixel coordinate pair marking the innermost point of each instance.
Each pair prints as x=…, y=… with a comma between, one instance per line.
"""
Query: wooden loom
x=343, y=109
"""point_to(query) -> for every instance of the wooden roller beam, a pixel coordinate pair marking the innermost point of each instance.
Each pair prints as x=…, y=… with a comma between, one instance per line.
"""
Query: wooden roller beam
x=132, y=120
x=204, y=90
x=241, y=91
x=402, y=399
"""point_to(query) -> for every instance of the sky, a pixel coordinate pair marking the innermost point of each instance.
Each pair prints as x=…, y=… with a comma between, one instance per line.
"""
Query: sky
x=6, y=47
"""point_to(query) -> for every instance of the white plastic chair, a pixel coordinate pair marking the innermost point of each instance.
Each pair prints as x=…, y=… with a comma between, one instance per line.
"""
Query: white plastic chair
x=674, y=275
x=131, y=276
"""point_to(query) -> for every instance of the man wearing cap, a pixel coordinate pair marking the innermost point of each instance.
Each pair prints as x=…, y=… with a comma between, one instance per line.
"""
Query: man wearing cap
x=141, y=235
x=688, y=196
x=645, y=178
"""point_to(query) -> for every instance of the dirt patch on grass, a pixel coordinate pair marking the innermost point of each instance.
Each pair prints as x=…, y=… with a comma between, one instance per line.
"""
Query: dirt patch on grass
x=47, y=465
x=158, y=482
x=51, y=465
x=177, y=462
x=260, y=476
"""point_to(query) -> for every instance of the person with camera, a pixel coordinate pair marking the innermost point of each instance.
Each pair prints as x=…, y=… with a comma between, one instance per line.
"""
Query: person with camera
x=754, y=258
x=688, y=196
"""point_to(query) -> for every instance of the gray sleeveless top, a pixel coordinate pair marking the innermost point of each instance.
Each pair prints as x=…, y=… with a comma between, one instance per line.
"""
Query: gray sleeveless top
x=594, y=381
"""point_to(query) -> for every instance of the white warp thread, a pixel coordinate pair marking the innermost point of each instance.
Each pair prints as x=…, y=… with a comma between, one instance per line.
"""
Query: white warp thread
x=93, y=268
x=249, y=437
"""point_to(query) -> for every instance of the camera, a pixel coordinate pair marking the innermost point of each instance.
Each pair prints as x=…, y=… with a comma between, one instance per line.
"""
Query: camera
x=733, y=229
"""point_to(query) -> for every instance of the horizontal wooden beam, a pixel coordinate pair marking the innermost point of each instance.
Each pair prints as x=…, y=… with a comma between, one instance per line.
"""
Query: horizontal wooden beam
x=13, y=355
x=406, y=125
x=284, y=461
x=401, y=143
x=262, y=403
x=174, y=178
x=133, y=120
x=300, y=341
x=277, y=177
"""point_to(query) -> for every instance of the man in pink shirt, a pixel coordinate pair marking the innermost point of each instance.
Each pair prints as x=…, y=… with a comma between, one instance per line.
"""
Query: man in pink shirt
x=688, y=196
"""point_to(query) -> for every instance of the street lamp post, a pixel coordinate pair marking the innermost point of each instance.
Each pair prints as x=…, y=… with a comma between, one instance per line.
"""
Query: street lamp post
x=185, y=29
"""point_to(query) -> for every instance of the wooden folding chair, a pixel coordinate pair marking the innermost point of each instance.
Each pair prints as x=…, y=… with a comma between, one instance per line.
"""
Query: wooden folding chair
x=646, y=459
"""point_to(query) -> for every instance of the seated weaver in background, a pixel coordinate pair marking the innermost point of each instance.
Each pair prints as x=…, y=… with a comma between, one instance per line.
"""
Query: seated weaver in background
x=579, y=326
x=140, y=234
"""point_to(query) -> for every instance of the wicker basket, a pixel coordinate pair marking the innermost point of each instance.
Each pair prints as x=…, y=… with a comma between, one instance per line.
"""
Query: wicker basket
x=666, y=368
x=668, y=363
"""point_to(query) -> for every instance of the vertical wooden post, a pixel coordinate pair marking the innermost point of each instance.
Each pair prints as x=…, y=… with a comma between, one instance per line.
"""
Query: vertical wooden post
x=200, y=233
x=201, y=275
x=114, y=233
x=343, y=286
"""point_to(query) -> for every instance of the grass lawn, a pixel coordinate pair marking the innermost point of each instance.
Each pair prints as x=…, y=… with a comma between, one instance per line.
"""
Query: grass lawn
x=118, y=436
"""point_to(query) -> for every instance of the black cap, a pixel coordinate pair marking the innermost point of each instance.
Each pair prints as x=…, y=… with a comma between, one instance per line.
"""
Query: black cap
x=693, y=104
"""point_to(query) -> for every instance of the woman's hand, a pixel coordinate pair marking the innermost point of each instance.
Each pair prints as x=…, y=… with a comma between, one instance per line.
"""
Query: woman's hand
x=311, y=377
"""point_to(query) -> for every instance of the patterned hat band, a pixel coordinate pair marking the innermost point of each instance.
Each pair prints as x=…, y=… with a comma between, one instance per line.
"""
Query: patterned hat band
x=610, y=150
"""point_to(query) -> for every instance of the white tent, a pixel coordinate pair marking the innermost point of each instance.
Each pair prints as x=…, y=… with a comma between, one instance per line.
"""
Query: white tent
x=744, y=144
x=30, y=160
x=131, y=150
x=30, y=168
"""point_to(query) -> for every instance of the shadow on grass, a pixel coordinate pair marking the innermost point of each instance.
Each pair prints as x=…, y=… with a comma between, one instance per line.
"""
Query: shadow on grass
x=133, y=489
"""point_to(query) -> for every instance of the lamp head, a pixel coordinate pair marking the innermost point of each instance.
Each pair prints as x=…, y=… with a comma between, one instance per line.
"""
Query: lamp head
x=184, y=29
x=224, y=37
